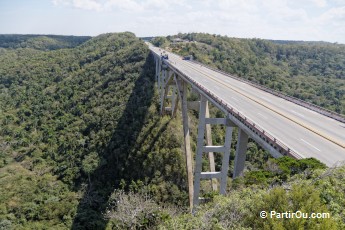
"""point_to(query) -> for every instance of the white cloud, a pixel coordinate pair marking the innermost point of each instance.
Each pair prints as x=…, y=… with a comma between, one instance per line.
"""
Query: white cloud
x=88, y=4
x=336, y=14
x=332, y=22
x=338, y=2
x=249, y=5
x=61, y=2
x=80, y=4
x=273, y=19
x=126, y=5
x=319, y=3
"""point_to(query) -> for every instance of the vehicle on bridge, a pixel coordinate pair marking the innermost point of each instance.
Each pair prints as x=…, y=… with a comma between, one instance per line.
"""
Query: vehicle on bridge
x=165, y=56
x=189, y=57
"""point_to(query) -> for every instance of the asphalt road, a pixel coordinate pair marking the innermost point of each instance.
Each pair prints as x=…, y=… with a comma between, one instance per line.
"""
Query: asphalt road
x=308, y=133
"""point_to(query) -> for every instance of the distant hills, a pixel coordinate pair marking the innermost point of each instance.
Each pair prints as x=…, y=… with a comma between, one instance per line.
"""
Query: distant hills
x=41, y=42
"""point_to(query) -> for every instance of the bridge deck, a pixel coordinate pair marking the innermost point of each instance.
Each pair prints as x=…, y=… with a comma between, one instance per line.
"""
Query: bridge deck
x=308, y=133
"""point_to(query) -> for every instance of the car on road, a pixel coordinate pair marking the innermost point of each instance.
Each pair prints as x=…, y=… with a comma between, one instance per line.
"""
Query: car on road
x=189, y=57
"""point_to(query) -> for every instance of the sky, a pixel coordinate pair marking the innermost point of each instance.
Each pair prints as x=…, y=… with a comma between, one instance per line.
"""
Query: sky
x=311, y=20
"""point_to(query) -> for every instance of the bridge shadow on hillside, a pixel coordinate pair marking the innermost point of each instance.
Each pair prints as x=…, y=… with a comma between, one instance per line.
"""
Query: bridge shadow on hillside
x=119, y=162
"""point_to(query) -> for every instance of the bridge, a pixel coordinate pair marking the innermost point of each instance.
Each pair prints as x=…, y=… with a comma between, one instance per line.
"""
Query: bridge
x=283, y=125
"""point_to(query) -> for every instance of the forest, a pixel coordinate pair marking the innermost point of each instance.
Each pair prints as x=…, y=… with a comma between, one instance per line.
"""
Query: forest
x=41, y=42
x=82, y=144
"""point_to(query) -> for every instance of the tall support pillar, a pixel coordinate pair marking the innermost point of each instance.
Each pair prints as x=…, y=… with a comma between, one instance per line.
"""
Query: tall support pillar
x=226, y=157
x=159, y=75
x=210, y=154
x=201, y=149
x=175, y=106
x=182, y=91
x=157, y=68
x=163, y=88
x=173, y=101
x=168, y=76
x=240, y=156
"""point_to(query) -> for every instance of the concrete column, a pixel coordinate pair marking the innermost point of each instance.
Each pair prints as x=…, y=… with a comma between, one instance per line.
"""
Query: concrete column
x=199, y=149
x=182, y=91
x=240, y=156
x=175, y=106
x=162, y=89
x=210, y=154
x=159, y=75
x=225, y=161
x=157, y=68
x=173, y=101
x=168, y=79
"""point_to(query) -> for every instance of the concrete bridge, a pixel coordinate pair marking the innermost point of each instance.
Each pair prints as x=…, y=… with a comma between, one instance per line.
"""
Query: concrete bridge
x=283, y=125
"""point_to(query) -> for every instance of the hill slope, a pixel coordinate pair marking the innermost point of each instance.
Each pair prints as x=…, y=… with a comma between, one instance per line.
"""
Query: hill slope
x=74, y=122
x=41, y=42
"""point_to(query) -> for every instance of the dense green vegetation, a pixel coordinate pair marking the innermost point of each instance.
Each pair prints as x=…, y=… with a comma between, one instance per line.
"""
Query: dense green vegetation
x=312, y=71
x=74, y=122
x=317, y=192
x=82, y=145
x=41, y=42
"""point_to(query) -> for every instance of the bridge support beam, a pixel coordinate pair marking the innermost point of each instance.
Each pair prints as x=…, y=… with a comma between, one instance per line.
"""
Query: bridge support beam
x=182, y=90
x=157, y=68
x=201, y=149
x=167, y=80
x=159, y=74
x=174, y=100
x=209, y=143
x=240, y=156
x=226, y=157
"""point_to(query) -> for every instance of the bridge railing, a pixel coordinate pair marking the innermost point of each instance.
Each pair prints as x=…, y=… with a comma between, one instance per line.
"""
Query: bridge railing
x=264, y=135
x=308, y=105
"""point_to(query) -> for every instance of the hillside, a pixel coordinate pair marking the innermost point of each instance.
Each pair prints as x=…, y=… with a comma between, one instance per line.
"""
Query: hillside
x=41, y=42
x=74, y=122
x=311, y=71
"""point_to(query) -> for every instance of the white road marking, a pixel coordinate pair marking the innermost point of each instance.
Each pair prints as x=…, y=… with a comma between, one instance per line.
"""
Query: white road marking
x=266, y=99
x=262, y=115
x=235, y=99
x=301, y=115
x=310, y=145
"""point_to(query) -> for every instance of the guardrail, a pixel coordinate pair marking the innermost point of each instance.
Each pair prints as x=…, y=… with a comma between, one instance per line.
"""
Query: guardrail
x=264, y=135
x=311, y=106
